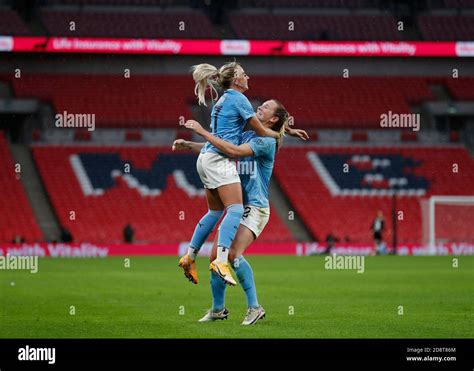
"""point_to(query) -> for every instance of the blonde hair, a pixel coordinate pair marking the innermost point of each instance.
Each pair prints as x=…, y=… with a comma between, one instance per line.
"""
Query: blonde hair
x=280, y=125
x=207, y=76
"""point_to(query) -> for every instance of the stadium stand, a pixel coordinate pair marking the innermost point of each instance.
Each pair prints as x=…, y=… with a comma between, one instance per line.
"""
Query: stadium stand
x=309, y=3
x=314, y=27
x=341, y=103
x=330, y=200
x=461, y=89
x=151, y=24
x=357, y=102
x=248, y=19
x=152, y=101
x=460, y=4
x=161, y=3
x=159, y=196
x=90, y=180
x=445, y=28
x=16, y=215
x=11, y=23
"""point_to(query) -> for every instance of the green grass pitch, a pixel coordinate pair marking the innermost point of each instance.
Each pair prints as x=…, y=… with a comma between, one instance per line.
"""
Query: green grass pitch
x=152, y=299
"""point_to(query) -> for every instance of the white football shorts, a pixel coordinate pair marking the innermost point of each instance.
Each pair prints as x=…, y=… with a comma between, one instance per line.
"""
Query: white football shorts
x=215, y=170
x=255, y=218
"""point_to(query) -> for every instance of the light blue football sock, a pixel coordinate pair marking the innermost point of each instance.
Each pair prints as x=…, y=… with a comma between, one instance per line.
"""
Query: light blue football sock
x=204, y=228
x=229, y=225
x=218, y=292
x=244, y=273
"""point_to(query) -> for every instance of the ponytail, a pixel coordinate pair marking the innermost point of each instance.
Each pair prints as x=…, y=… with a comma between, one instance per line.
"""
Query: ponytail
x=206, y=76
x=281, y=124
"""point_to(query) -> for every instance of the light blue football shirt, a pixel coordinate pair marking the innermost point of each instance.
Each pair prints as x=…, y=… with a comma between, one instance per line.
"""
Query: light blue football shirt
x=255, y=171
x=228, y=118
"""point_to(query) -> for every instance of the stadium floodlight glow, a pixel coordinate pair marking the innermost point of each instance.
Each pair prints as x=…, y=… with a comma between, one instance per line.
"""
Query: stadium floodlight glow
x=444, y=200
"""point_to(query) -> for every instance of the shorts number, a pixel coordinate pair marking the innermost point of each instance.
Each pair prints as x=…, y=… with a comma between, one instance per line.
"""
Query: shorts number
x=246, y=212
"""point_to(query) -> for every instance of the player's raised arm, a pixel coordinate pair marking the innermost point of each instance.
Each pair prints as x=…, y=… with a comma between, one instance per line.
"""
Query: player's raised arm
x=226, y=147
x=181, y=144
x=298, y=133
x=261, y=130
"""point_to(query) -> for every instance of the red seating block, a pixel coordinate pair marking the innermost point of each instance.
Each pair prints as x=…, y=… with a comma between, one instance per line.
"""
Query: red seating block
x=314, y=27
x=323, y=213
x=140, y=101
x=160, y=100
x=335, y=102
x=129, y=24
x=11, y=23
x=446, y=28
x=100, y=219
x=461, y=88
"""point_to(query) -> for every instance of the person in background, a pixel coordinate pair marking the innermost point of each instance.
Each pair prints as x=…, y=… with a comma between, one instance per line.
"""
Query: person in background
x=17, y=239
x=66, y=235
x=330, y=241
x=128, y=233
x=378, y=227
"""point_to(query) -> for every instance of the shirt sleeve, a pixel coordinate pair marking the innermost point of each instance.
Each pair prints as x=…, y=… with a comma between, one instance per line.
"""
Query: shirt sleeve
x=262, y=146
x=245, y=108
